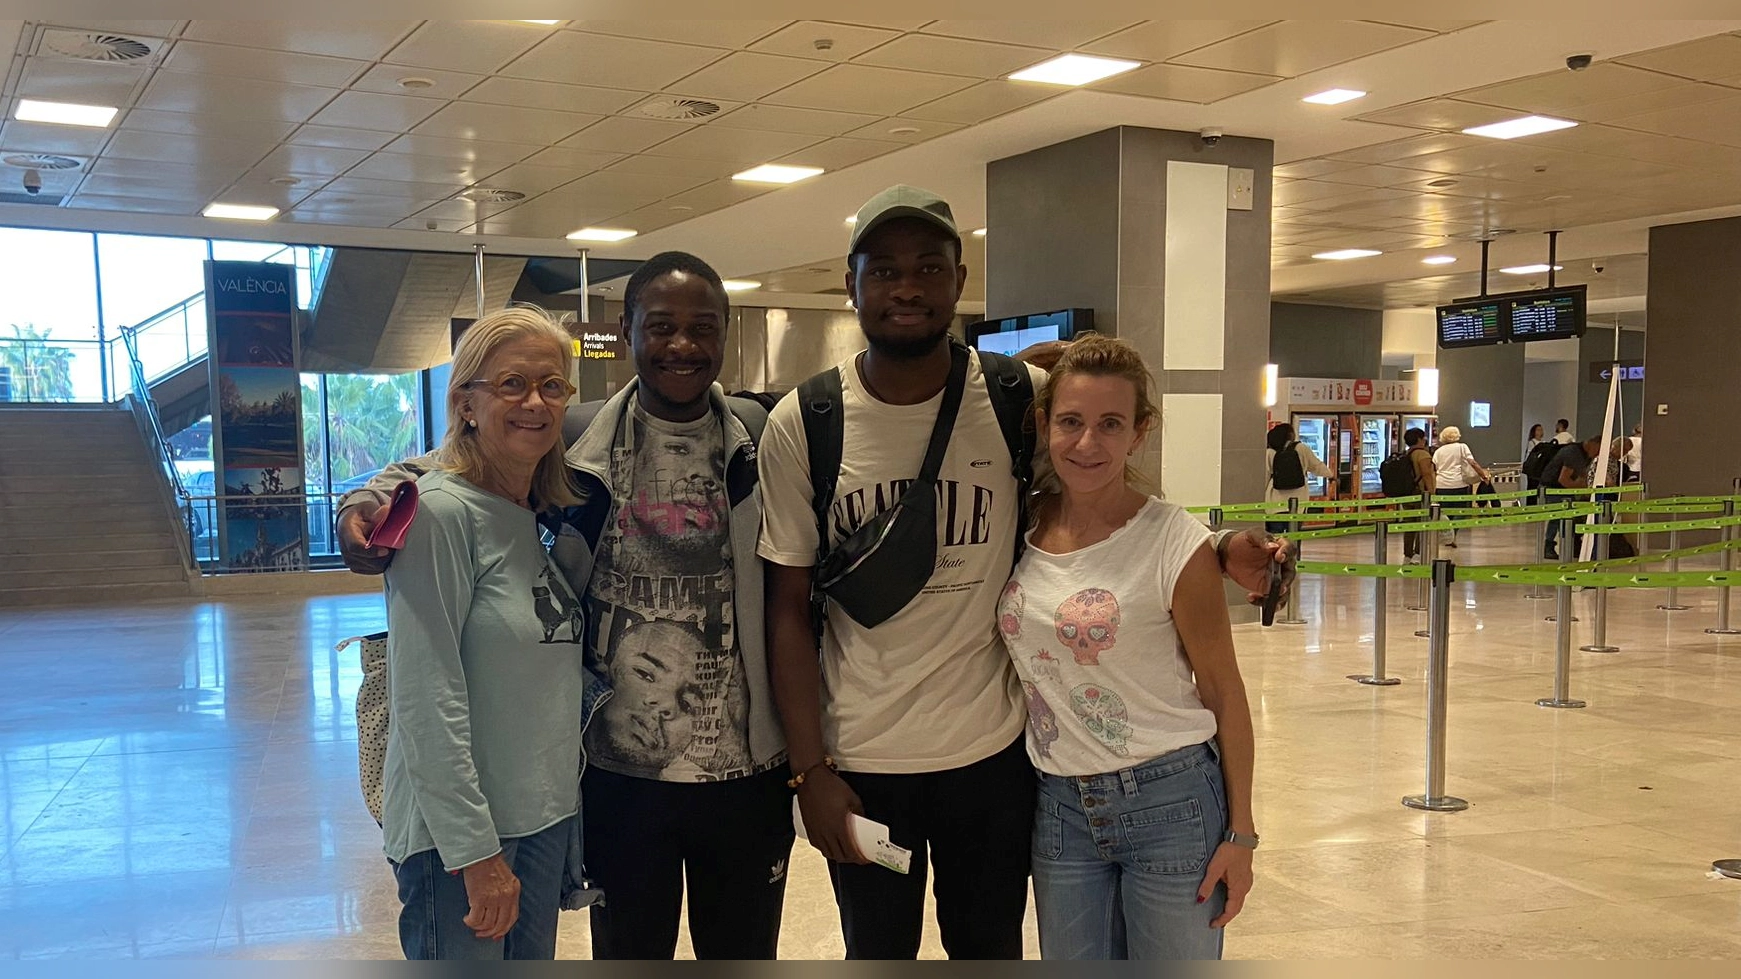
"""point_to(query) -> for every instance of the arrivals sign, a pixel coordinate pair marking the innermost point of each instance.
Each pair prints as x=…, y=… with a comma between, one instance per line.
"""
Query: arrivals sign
x=1630, y=370
x=1330, y=392
x=262, y=518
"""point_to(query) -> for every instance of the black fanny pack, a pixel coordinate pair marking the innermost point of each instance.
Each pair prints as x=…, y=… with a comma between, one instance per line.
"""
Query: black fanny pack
x=883, y=565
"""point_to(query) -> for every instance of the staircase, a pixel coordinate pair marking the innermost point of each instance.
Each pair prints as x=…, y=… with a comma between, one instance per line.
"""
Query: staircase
x=84, y=517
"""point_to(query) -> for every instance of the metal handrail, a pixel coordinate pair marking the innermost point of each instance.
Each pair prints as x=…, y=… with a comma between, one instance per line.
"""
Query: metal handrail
x=145, y=412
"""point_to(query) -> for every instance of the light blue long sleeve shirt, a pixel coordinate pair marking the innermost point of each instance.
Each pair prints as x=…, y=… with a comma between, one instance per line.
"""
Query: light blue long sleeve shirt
x=485, y=679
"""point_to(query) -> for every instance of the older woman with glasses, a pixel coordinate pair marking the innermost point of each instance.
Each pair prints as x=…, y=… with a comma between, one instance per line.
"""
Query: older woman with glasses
x=484, y=662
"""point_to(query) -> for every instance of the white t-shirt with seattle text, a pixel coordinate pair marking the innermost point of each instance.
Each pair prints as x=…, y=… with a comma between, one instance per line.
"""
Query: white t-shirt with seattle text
x=931, y=688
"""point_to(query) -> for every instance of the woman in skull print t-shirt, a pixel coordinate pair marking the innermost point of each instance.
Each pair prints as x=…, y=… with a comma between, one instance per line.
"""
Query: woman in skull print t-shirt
x=1137, y=717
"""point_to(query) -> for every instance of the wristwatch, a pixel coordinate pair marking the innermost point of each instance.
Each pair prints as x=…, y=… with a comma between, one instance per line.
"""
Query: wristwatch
x=1240, y=839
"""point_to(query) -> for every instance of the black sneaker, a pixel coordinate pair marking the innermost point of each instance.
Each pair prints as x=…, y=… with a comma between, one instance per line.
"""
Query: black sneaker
x=1550, y=555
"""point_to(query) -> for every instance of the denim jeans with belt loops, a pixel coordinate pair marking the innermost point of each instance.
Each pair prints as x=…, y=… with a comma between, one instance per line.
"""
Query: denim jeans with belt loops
x=1118, y=859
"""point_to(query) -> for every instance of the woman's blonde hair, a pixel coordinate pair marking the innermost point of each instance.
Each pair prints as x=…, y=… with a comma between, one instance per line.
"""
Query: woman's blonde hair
x=461, y=451
x=1095, y=356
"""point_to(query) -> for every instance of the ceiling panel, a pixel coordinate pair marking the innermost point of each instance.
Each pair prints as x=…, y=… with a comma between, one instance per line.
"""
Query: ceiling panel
x=897, y=129
x=368, y=110
x=365, y=189
x=955, y=56
x=88, y=83
x=713, y=33
x=745, y=76
x=530, y=94
x=717, y=194
x=478, y=46
x=865, y=88
x=170, y=180
x=385, y=79
x=984, y=101
x=40, y=137
x=650, y=218
x=786, y=119
x=1059, y=35
x=1563, y=91
x=844, y=42
x=138, y=205
x=611, y=62
x=256, y=187
x=576, y=160
x=532, y=222
x=505, y=124
x=1184, y=84
x=1716, y=122
x=530, y=179
x=1295, y=47
x=671, y=166
x=745, y=146
x=620, y=134
x=261, y=65
x=840, y=153
x=474, y=150
x=1711, y=59
x=1158, y=40
x=367, y=40
x=172, y=148
x=1302, y=169
x=421, y=169
x=323, y=161
x=1399, y=150
x=340, y=137
x=459, y=212
x=1608, y=141
x=1438, y=26
x=1444, y=114
x=211, y=95
x=232, y=127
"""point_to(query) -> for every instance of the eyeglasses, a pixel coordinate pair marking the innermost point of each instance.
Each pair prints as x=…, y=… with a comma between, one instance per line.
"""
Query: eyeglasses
x=512, y=386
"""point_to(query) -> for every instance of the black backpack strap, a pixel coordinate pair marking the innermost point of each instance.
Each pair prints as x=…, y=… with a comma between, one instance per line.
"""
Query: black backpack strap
x=1011, y=389
x=751, y=413
x=821, y=404
x=577, y=419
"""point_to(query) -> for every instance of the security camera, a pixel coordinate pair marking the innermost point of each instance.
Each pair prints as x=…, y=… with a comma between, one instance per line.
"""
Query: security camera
x=32, y=182
x=1597, y=268
x=1578, y=62
x=1209, y=136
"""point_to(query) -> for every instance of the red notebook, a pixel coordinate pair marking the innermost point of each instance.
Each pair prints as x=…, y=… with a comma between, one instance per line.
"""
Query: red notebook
x=390, y=532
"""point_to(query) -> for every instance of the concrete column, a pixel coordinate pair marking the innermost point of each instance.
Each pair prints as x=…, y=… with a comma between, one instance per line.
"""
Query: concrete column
x=1692, y=346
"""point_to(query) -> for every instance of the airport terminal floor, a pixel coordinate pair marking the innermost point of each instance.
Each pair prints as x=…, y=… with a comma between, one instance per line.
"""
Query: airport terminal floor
x=179, y=780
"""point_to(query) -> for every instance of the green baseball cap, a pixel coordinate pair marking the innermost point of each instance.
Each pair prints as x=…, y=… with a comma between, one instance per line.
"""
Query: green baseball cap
x=902, y=201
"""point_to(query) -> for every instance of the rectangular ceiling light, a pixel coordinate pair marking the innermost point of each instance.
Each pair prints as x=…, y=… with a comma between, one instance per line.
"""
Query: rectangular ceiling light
x=1438, y=260
x=1334, y=96
x=1347, y=253
x=740, y=285
x=1527, y=126
x=64, y=113
x=775, y=173
x=1529, y=269
x=239, y=212
x=602, y=234
x=1074, y=69
x=979, y=232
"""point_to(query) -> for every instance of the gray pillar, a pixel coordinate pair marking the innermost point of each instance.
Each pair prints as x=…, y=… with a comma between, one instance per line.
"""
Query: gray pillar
x=1692, y=342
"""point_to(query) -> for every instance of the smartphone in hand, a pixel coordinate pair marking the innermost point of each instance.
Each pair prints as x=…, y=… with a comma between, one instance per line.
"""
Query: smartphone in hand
x=1274, y=598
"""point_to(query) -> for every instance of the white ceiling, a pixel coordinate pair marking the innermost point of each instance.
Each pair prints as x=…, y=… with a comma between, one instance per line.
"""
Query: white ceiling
x=316, y=117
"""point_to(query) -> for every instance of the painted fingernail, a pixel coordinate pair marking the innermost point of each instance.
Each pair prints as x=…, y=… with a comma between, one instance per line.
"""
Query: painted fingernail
x=1200, y=899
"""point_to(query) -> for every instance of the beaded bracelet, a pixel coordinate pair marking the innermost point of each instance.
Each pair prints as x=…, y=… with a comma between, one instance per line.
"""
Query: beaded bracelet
x=799, y=778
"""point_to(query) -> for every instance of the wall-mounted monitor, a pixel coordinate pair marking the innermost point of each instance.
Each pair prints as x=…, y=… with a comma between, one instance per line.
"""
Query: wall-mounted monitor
x=1545, y=314
x=1476, y=323
x=1015, y=333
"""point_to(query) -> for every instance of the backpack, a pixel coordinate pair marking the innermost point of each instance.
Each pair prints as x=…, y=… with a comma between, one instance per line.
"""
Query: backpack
x=1010, y=388
x=1539, y=457
x=1396, y=474
x=1288, y=471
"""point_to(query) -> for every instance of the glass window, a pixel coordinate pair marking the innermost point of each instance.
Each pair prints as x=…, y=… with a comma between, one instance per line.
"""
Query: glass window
x=48, y=317
x=156, y=285
x=353, y=425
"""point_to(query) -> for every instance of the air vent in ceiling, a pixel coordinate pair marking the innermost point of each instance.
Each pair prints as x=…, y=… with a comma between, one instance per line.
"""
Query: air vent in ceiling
x=679, y=109
x=490, y=195
x=48, y=200
x=97, y=46
x=40, y=161
x=1479, y=235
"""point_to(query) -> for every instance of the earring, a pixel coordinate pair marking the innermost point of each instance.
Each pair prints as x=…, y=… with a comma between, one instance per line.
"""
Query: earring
x=473, y=422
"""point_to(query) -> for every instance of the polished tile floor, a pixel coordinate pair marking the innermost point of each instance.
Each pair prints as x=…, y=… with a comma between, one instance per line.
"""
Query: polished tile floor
x=180, y=780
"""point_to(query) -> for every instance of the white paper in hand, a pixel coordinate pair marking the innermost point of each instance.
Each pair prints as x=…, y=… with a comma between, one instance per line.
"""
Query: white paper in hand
x=872, y=839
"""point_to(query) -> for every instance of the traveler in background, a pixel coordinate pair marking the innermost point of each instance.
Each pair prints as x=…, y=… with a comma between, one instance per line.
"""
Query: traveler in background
x=1563, y=432
x=1633, y=470
x=1535, y=439
x=1287, y=463
x=487, y=685
x=1456, y=473
x=1426, y=480
x=1570, y=469
x=1140, y=710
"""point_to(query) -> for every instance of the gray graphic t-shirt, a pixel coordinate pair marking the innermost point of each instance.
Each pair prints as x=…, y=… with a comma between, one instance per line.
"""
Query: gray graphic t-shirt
x=660, y=607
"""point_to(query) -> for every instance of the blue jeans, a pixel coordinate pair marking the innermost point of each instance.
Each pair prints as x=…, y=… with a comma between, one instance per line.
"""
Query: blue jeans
x=431, y=923
x=1118, y=859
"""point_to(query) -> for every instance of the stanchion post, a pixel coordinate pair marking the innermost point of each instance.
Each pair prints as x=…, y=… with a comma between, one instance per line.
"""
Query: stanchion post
x=1566, y=539
x=1293, y=616
x=1380, y=555
x=1728, y=564
x=1674, y=565
x=1562, y=654
x=1438, y=671
x=1420, y=604
x=1599, y=638
x=1541, y=548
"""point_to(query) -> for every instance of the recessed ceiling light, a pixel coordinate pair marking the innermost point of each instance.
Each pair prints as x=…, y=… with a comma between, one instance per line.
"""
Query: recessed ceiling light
x=1074, y=69
x=979, y=232
x=1334, y=96
x=1526, y=126
x=740, y=285
x=1529, y=269
x=1347, y=253
x=1443, y=182
x=776, y=173
x=64, y=113
x=682, y=207
x=1438, y=260
x=601, y=234
x=284, y=181
x=415, y=82
x=239, y=212
x=903, y=130
x=544, y=22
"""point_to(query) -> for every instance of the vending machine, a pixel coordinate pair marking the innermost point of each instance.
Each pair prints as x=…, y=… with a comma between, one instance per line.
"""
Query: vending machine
x=1320, y=433
x=1352, y=424
x=1378, y=439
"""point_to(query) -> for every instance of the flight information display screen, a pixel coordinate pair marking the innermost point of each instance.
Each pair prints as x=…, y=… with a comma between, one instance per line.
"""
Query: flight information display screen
x=1473, y=324
x=1554, y=314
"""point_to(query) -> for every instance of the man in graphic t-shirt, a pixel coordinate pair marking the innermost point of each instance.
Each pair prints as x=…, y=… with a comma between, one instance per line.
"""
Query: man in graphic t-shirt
x=922, y=714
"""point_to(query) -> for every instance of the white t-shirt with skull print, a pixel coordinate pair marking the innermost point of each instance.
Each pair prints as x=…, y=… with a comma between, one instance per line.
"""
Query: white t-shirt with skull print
x=1091, y=633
